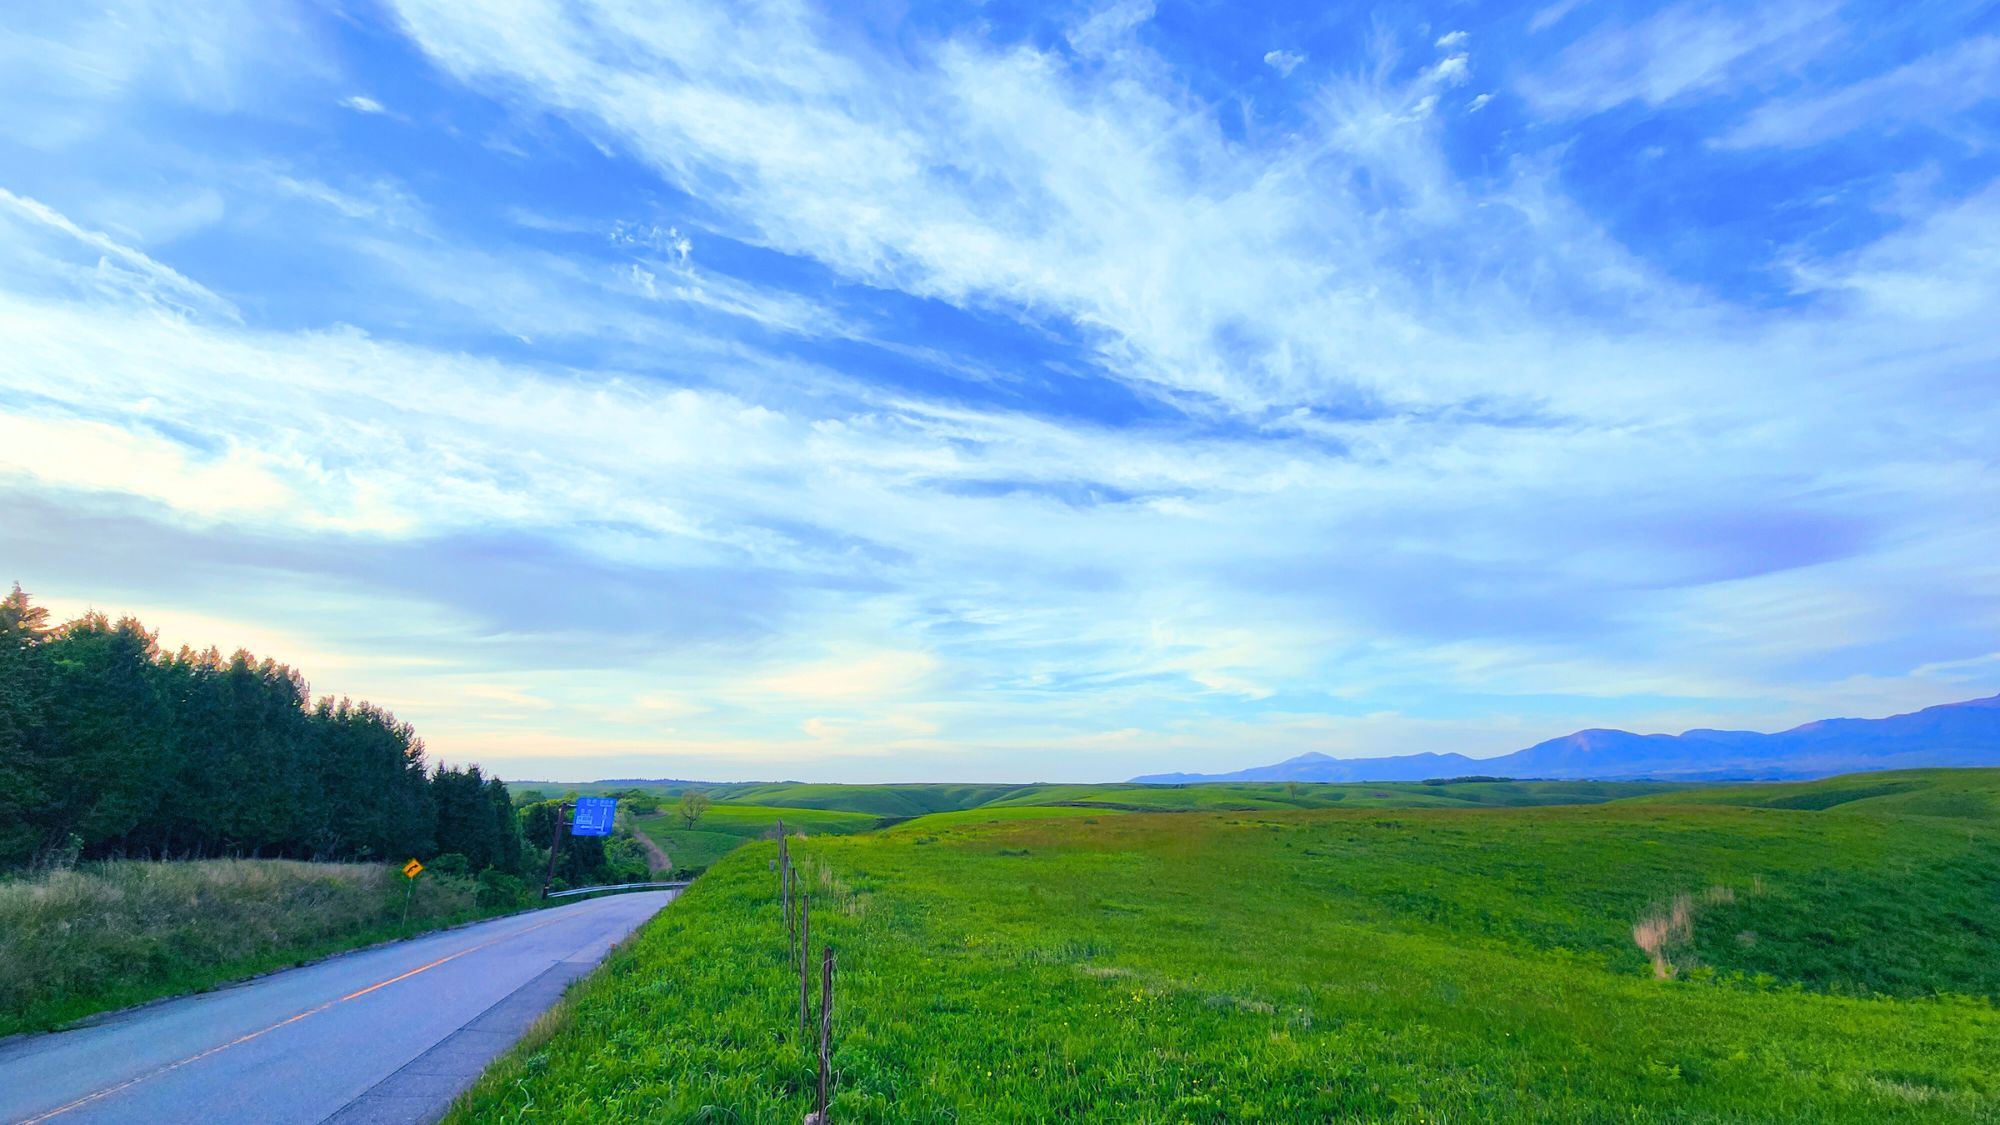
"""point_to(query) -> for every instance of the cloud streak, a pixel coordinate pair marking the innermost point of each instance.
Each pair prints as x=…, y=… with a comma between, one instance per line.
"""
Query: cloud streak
x=1925, y=91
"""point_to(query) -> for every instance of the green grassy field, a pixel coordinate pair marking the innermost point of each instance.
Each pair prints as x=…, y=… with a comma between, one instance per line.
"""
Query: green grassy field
x=880, y=800
x=1962, y=794
x=905, y=801
x=1286, y=965
x=1278, y=795
x=843, y=809
x=877, y=800
x=725, y=827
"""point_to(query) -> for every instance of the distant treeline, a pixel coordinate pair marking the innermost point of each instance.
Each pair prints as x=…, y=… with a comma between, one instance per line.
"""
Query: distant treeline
x=111, y=748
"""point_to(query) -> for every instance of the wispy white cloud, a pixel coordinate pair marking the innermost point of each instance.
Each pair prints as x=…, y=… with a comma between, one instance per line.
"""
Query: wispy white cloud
x=1923, y=92
x=1110, y=27
x=64, y=68
x=362, y=103
x=119, y=268
x=868, y=676
x=701, y=478
x=981, y=178
x=1945, y=267
x=1684, y=51
x=1551, y=14
x=380, y=202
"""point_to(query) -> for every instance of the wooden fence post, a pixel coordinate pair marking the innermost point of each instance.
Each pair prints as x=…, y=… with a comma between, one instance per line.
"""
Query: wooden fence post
x=805, y=971
x=785, y=885
x=825, y=1025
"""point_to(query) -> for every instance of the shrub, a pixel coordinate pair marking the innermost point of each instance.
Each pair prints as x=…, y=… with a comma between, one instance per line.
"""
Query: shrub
x=499, y=890
x=450, y=863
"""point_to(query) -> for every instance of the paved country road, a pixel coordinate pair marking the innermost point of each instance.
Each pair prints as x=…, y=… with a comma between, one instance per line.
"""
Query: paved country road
x=390, y=1034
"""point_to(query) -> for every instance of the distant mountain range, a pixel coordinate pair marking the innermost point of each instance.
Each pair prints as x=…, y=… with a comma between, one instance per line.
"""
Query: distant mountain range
x=1953, y=734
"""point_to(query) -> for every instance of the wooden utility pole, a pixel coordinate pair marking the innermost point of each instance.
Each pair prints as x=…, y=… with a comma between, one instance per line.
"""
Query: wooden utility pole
x=555, y=842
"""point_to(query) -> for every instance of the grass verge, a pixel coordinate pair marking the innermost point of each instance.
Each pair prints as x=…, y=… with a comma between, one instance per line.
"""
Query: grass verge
x=108, y=935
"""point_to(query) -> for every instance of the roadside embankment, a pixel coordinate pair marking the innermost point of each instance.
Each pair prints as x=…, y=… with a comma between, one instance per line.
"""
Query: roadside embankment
x=106, y=935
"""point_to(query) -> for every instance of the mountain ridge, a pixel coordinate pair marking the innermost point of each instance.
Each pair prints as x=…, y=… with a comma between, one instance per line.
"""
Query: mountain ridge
x=1965, y=733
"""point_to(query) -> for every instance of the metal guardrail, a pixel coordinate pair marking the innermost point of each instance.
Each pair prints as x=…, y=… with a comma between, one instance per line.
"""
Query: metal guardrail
x=617, y=887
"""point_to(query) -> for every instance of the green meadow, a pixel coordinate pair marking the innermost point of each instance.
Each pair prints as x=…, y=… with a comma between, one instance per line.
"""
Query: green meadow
x=725, y=827
x=1697, y=955
x=746, y=811
x=1960, y=794
x=1443, y=794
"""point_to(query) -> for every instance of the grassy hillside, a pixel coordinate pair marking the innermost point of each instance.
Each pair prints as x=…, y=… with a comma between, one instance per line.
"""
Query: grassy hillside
x=112, y=934
x=843, y=809
x=879, y=800
x=1964, y=793
x=876, y=800
x=995, y=814
x=893, y=802
x=1279, y=795
x=725, y=827
x=1324, y=964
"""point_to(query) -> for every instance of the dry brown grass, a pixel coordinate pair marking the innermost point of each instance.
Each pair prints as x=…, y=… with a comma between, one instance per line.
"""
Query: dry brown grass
x=1664, y=929
x=104, y=935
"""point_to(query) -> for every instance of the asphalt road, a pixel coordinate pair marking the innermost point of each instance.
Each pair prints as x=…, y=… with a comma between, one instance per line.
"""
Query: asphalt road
x=383, y=1035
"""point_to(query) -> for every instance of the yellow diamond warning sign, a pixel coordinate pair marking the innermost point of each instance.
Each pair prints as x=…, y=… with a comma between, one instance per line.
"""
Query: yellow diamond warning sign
x=412, y=869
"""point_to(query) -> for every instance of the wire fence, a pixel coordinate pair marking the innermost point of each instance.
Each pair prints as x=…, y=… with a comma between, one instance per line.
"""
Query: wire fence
x=796, y=904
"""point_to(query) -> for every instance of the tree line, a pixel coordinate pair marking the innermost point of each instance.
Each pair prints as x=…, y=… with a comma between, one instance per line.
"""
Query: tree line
x=111, y=747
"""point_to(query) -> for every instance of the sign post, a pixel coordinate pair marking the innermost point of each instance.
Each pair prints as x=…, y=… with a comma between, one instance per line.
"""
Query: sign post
x=594, y=816
x=411, y=870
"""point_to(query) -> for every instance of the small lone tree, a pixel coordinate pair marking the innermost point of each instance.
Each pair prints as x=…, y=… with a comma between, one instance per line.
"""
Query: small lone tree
x=693, y=805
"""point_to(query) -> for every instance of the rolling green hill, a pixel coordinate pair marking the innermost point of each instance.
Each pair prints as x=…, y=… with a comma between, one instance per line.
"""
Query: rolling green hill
x=1636, y=961
x=893, y=802
x=1969, y=794
x=742, y=811
x=875, y=800
x=725, y=827
x=1301, y=795
x=880, y=800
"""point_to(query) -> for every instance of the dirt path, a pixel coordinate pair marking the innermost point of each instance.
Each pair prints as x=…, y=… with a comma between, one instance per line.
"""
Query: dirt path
x=657, y=859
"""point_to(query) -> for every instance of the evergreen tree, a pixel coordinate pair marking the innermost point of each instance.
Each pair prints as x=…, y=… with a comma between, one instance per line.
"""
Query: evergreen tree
x=112, y=723
x=25, y=748
x=111, y=748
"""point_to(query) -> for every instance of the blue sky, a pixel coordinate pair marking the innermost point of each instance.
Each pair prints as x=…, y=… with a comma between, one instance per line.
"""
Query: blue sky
x=892, y=392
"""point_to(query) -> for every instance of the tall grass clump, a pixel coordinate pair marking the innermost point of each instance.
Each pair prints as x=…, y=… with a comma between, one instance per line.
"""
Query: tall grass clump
x=104, y=935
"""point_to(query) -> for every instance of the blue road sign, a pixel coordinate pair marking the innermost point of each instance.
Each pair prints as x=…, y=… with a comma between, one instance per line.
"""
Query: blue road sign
x=593, y=816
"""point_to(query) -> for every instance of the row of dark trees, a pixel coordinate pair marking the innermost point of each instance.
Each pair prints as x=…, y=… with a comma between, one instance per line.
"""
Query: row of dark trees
x=110, y=747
